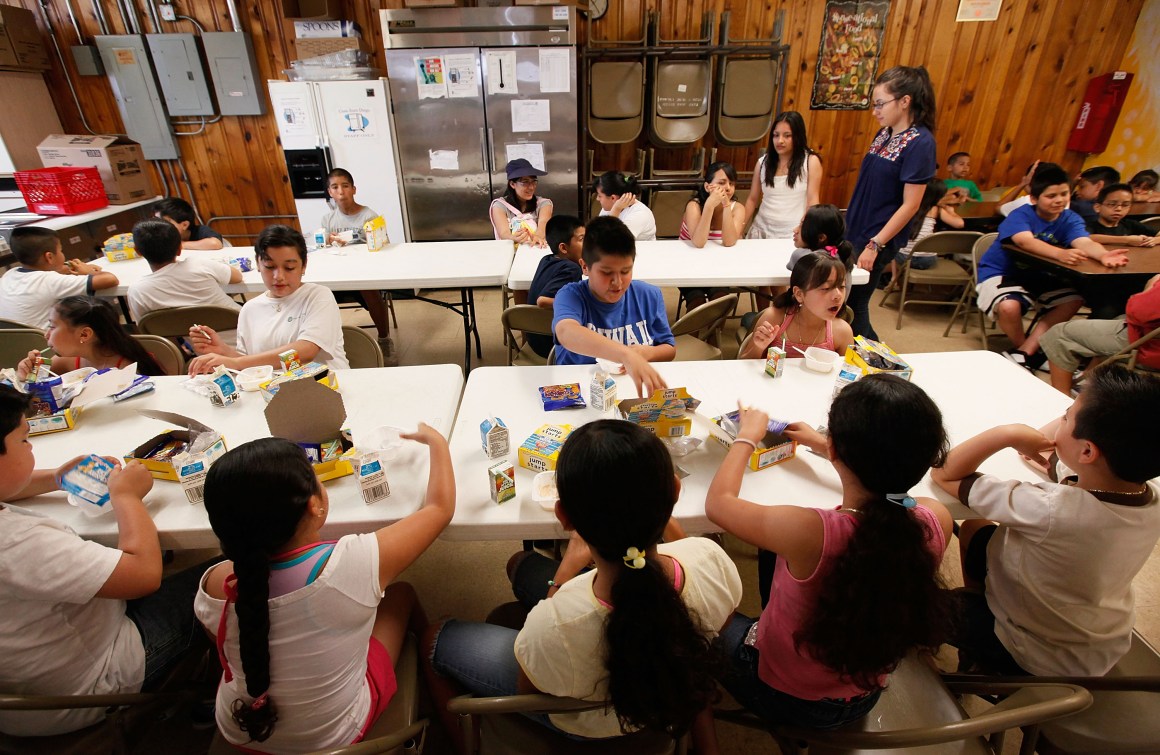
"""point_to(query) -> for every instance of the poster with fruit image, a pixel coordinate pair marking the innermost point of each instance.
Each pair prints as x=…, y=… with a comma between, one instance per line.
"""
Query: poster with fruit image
x=848, y=54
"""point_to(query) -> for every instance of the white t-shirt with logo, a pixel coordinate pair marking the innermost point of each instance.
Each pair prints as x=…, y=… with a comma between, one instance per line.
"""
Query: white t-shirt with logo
x=308, y=314
x=189, y=282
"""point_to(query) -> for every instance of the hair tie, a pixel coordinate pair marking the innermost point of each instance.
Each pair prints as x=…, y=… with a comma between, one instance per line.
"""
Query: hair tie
x=634, y=558
x=833, y=250
x=902, y=499
x=260, y=701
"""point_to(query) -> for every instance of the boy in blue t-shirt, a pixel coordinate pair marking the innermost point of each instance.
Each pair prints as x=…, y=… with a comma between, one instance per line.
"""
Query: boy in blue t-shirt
x=565, y=237
x=609, y=315
x=1041, y=227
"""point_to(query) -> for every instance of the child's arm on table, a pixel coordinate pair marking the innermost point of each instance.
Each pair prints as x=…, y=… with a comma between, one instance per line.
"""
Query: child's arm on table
x=307, y=350
x=966, y=458
x=1097, y=252
x=580, y=340
x=138, y=573
x=1026, y=241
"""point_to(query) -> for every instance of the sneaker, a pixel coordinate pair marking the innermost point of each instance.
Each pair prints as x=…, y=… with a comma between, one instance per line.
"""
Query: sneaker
x=390, y=358
x=1016, y=356
x=1036, y=361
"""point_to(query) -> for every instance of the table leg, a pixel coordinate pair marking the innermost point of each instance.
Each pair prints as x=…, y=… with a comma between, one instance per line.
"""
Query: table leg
x=474, y=323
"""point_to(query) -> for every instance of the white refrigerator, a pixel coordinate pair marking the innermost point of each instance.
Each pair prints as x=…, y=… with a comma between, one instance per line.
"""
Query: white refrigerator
x=346, y=124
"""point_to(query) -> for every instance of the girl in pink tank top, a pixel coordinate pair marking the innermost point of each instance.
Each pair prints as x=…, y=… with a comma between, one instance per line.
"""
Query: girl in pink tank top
x=807, y=314
x=856, y=587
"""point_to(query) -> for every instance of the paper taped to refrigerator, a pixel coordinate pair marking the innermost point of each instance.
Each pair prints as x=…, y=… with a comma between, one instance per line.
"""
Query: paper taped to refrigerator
x=555, y=73
x=533, y=152
x=444, y=159
x=460, y=70
x=429, y=78
x=531, y=115
x=501, y=72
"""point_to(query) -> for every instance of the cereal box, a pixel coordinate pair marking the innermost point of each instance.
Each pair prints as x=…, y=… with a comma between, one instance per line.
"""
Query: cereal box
x=375, y=232
x=667, y=413
x=542, y=448
x=120, y=247
x=502, y=477
x=493, y=434
x=774, y=448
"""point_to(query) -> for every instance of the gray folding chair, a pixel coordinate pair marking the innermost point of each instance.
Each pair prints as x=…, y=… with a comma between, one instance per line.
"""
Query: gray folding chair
x=946, y=272
x=15, y=343
x=704, y=322
x=525, y=318
x=361, y=349
x=164, y=352
x=175, y=322
x=968, y=304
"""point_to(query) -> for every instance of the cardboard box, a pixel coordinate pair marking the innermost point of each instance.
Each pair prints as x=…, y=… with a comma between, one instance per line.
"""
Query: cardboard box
x=96, y=387
x=855, y=365
x=54, y=423
x=119, y=161
x=316, y=46
x=667, y=413
x=189, y=431
x=775, y=447
x=316, y=370
x=314, y=430
x=541, y=450
x=24, y=46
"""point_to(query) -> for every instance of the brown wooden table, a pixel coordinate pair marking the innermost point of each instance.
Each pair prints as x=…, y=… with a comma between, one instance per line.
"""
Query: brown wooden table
x=1105, y=289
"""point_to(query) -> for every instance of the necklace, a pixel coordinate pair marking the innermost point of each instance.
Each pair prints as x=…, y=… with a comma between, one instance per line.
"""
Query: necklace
x=817, y=335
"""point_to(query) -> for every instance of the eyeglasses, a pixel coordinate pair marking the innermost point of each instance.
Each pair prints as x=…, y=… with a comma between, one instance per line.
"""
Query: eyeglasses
x=529, y=181
x=1116, y=205
x=879, y=104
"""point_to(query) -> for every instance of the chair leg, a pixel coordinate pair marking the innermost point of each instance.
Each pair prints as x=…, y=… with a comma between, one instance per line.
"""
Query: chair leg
x=958, y=308
x=391, y=309
x=902, y=296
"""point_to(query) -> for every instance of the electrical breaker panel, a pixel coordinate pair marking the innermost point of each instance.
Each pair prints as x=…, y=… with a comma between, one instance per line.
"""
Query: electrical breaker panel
x=181, y=74
x=234, y=72
x=138, y=97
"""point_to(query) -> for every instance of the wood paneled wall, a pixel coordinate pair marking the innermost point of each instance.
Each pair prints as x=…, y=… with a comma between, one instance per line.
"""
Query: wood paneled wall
x=1008, y=91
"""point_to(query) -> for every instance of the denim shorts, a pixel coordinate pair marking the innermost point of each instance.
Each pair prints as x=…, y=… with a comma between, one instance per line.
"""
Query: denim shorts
x=777, y=708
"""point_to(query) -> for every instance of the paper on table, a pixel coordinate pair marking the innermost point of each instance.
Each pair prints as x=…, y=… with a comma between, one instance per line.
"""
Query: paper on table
x=531, y=115
x=501, y=72
x=105, y=384
x=444, y=159
x=461, y=80
x=533, y=152
x=555, y=73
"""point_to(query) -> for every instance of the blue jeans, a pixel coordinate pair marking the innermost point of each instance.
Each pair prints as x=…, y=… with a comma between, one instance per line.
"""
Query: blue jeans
x=166, y=622
x=859, y=299
x=774, y=707
x=916, y=263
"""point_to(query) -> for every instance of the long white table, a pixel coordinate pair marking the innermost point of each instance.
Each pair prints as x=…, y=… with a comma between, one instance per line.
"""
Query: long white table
x=670, y=262
x=975, y=390
x=399, y=396
x=462, y=265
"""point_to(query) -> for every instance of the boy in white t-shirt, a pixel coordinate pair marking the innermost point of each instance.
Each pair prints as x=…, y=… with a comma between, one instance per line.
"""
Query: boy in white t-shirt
x=1048, y=572
x=65, y=625
x=29, y=292
x=176, y=281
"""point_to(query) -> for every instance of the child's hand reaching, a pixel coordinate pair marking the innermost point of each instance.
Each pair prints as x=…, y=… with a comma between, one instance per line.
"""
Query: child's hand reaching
x=643, y=374
x=807, y=436
x=426, y=435
x=133, y=480
x=1115, y=258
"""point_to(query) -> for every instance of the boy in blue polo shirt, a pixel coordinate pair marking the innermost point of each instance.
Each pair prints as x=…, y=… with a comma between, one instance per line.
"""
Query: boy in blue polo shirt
x=1042, y=227
x=609, y=315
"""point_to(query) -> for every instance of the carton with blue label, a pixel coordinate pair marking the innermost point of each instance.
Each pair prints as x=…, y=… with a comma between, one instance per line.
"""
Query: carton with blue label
x=493, y=434
x=87, y=484
x=867, y=357
x=541, y=450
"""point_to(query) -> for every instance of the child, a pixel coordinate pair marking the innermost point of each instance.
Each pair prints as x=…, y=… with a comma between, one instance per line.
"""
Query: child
x=619, y=196
x=176, y=281
x=856, y=587
x=520, y=215
x=1088, y=187
x=808, y=313
x=822, y=229
x=786, y=179
x=193, y=235
x=1067, y=343
x=1144, y=186
x=712, y=215
x=634, y=632
x=28, y=292
x=348, y=217
x=65, y=626
x=1005, y=293
x=1111, y=226
x=556, y=270
x=609, y=315
x=937, y=209
x=959, y=167
x=84, y=331
x=1015, y=196
x=1058, y=559
x=308, y=629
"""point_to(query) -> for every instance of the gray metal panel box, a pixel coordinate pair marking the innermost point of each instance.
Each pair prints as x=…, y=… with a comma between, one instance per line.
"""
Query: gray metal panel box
x=138, y=97
x=234, y=72
x=180, y=73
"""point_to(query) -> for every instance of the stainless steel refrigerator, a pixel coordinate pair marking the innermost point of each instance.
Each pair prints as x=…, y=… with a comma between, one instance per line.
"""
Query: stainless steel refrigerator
x=472, y=88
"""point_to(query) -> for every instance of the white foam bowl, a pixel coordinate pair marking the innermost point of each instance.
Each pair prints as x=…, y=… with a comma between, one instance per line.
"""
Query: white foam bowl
x=250, y=378
x=820, y=360
x=544, y=490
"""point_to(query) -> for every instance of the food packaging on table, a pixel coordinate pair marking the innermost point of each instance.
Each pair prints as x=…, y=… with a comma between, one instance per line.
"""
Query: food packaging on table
x=602, y=391
x=867, y=357
x=318, y=431
x=316, y=371
x=667, y=413
x=774, y=448
x=541, y=450
x=375, y=232
x=87, y=485
x=502, y=479
x=201, y=446
x=79, y=388
x=493, y=435
x=120, y=248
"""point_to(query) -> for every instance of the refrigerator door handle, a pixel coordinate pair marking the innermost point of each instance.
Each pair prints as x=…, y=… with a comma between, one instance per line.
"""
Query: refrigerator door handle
x=491, y=149
x=483, y=151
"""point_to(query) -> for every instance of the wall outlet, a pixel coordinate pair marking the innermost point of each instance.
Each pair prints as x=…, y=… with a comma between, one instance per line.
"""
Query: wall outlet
x=167, y=12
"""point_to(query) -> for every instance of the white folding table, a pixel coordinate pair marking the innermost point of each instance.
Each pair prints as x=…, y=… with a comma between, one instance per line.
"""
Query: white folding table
x=975, y=390
x=398, y=396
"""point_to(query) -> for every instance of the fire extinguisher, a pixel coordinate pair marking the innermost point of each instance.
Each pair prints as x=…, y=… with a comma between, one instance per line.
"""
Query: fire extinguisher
x=1097, y=115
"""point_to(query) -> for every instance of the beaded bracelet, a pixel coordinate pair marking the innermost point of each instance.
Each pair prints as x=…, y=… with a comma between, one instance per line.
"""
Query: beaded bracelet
x=746, y=440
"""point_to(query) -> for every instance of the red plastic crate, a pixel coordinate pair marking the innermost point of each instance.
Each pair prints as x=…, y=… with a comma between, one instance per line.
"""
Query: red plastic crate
x=62, y=191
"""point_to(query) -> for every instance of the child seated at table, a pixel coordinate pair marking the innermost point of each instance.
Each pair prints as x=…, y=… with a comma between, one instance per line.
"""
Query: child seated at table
x=1088, y=186
x=808, y=314
x=521, y=215
x=291, y=314
x=29, y=291
x=634, y=632
x=193, y=234
x=65, y=625
x=85, y=331
x=1041, y=228
x=935, y=213
x=1112, y=226
x=610, y=315
x=1048, y=580
x=712, y=215
x=822, y=229
x=856, y=587
x=619, y=196
x=1144, y=186
x=959, y=168
x=308, y=629
x=344, y=225
x=173, y=280
x=1068, y=344
x=556, y=270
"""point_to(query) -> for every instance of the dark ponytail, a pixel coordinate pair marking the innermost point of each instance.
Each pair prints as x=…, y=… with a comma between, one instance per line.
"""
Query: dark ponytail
x=103, y=319
x=903, y=81
x=256, y=496
x=827, y=220
x=615, y=184
x=883, y=596
x=617, y=487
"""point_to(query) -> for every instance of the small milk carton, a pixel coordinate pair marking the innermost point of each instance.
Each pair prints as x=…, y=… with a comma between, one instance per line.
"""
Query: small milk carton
x=375, y=231
x=602, y=392
x=493, y=434
x=223, y=388
x=87, y=485
x=542, y=448
x=372, y=478
x=191, y=473
x=775, y=361
x=502, y=477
